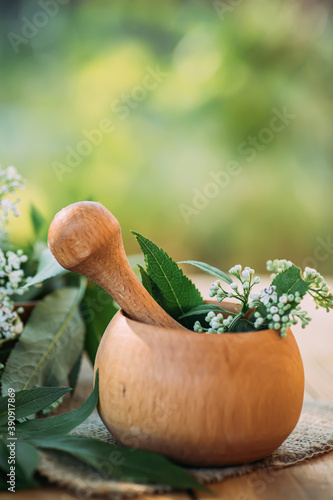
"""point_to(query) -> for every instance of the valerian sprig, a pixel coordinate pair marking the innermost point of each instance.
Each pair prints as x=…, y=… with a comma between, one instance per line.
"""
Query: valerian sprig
x=12, y=277
x=318, y=289
x=10, y=182
x=276, y=306
x=239, y=291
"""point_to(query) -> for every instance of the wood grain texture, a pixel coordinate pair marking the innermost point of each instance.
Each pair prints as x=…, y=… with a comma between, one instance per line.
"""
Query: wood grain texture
x=86, y=238
x=310, y=480
x=199, y=399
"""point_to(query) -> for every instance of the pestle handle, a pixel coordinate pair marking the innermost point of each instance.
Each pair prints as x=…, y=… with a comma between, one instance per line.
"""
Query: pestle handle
x=86, y=238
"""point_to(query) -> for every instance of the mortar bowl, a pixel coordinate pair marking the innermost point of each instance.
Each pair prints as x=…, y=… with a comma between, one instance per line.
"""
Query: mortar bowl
x=201, y=400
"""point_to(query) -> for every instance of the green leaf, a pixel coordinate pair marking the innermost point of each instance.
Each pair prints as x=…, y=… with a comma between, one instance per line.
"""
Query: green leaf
x=97, y=309
x=122, y=463
x=177, y=292
x=209, y=269
x=150, y=286
x=60, y=424
x=146, y=280
x=27, y=458
x=3, y=454
x=73, y=375
x=37, y=219
x=242, y=325
x=30, y=401
x=4, y=353
x=49, y=344
x=200, y=310
x=136, y=261
x=48, y=268
x=290, y=281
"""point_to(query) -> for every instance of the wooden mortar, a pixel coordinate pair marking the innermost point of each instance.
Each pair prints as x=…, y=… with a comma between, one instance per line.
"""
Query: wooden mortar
x=203, y=400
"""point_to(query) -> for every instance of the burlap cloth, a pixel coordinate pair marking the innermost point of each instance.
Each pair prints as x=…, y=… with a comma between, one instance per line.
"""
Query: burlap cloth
x=312, y=436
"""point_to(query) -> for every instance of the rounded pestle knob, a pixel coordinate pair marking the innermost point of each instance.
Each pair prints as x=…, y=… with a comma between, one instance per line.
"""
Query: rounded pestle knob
x=86, y=238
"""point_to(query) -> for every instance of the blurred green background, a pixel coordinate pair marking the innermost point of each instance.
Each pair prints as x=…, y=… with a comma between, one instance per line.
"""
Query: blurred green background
x=189, y=88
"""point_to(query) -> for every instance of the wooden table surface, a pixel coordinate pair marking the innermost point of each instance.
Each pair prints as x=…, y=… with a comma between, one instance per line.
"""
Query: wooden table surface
x=310, y=480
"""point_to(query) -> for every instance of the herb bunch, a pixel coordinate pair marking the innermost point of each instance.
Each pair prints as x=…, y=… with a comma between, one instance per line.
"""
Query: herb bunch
x=69, y=314
x=274, y=307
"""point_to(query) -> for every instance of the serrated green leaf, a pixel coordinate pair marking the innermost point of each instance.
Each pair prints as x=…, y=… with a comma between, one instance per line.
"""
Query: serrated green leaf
x=135, y=261
x=30, y=401
x=150, y=286
x=177, y=292
x=60, y=424
x=122, y=463
x=209, y=269
x=97, y=309
x=48, y=268
x=290, y=281
x=49, y=344
x=146, y=280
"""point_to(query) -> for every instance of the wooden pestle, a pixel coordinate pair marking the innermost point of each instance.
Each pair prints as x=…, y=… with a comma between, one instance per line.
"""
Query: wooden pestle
x=86, y=238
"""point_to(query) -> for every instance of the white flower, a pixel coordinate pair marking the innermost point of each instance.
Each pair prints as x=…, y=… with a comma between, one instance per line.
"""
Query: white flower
x=234, y=286
x=245, y=274
x=256, y=280
x=309, y=272
x=14, y=261
x=11, y=182
x=235, y=269
x=6, y=206
x=276, y=318
x=227, y=321
x=11, y=281
x=210, y=316
x=255, y=296
x=268, y=294
x=2, y=259
x=258, y=322
x=12, y=174
x=197, y=327
x=215, y=285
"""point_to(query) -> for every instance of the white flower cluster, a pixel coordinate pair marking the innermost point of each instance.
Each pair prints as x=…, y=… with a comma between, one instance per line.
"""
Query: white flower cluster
x=318, y=289
x=217, y=291
x=217, y=322
x=267, y=295
x=11, y=282
x=10, y=182
x=270, y=308
x=277, y=266
x=282, y=313
x=247, y=279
